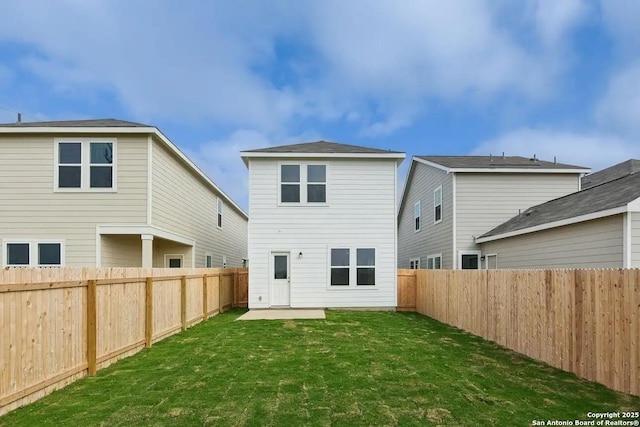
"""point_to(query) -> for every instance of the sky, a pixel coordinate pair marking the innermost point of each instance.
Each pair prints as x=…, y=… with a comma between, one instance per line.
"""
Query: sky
x=456, y=77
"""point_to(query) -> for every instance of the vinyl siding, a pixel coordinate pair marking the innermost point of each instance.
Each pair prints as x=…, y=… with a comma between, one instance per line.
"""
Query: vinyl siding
x=432, y=238
x=31, y=209
x=360, y=213
x=635, y=239
x=486, y=200
x=184, y=204
x=591, y=244
x=121, y=251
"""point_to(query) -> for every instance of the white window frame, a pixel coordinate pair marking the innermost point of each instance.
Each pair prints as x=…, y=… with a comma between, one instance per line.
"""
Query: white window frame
x=460, y=253
x=353, y=267
x=167, y=257
x=85, y=166
x=486, y=261
x=431, y=259
x=417, y=219
x=208, y=256
x=219, y=215
x=414, y=263
x=33, y=252
x=303, y=183
x=437, y=221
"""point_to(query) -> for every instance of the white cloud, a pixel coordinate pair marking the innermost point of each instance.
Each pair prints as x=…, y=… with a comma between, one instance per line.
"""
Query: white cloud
x=554, y=19
x=621, y=19
x=620, y=106
x=220, y=159
x=592, y=150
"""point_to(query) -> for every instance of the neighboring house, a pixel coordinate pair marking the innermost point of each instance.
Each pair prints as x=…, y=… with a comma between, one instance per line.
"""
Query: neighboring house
x=450, y=200
x=110, y=193
x=322, y=231
x=598, y=227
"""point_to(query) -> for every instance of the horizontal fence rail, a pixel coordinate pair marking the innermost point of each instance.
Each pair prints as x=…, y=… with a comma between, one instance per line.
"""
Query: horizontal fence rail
x=581, y=321
x=58, y=325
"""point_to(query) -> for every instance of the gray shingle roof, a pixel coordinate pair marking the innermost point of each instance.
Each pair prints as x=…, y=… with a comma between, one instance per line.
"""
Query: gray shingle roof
x=629, y=167
x=321, y=147
x=495, y=162
x=610, y=195
x=76, y=123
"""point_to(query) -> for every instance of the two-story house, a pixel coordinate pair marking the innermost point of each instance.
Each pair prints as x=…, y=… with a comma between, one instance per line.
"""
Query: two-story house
x=448, y=201
x=597, y=227
x=322, y=229
x=110, y=193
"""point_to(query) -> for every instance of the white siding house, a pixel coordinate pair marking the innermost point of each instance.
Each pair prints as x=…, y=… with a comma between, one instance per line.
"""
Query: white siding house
x=322, y=229
x=458, y=198
x=109, y=193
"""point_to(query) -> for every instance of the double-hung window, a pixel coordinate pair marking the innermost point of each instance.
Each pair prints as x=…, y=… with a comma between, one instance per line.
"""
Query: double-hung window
x=86, y=165
x=290, y=183
x=220, y=207
x=437, y=205
x=414, y=263
x=416, y=215
x=352, y=267
x=30, y=253
x=303, y=184
x=434, y=262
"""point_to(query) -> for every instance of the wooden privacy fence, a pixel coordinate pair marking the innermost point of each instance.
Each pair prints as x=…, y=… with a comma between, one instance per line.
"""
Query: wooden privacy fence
x=582, y=321
x=58, y=325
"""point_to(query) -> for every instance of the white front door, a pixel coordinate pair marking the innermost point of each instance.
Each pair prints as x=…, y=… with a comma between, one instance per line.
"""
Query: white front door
x=280, y=279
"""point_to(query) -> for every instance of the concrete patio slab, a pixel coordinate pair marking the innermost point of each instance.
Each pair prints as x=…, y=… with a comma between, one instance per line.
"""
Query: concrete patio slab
x=276, y=314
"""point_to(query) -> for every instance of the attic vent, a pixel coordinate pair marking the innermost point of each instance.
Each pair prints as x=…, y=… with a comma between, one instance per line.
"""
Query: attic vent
x=527, y=213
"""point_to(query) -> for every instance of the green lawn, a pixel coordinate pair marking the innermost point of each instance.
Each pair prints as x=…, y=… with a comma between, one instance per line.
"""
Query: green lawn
x=355, y=368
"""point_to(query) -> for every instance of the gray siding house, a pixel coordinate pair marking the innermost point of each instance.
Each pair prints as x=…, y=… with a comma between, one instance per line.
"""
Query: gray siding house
x=448, y=201
x=110, y=193
x=597, y=227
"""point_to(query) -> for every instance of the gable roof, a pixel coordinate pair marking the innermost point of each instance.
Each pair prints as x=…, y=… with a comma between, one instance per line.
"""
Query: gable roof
x=109, y=126
x=320, y=149
x=76, y=123
x=497, y=164
x=620, y=170
x=600, y=199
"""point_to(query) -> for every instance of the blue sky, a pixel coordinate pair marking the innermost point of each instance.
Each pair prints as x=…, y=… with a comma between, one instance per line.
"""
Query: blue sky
x=544, y=77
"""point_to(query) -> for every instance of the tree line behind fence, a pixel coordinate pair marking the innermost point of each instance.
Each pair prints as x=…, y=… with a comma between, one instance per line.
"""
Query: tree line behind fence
x=58, y=325
x=581, y=321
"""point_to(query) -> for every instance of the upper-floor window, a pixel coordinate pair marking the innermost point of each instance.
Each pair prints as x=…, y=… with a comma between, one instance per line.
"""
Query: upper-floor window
x=416, y=216
x=85, y=165
x=33, y=253
x=220, y=207
x=437, y=205
x=303, y=183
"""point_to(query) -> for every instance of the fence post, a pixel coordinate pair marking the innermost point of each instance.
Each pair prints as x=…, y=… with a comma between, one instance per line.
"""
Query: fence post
x=220, y=304
x=91, y=328
x=205, y=302
x=148, y=333
x=234, y=302
x=183, y=302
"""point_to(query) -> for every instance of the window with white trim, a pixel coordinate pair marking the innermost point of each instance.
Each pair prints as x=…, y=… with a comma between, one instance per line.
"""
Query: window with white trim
x=434, y=262
x=33, y=253
x=87, y=165
x=437, y=205
x=302, y=184
x=469, y=260
x=220, y=207
x=416, y=216
x=208, y=260
x=340, y=266
x=414, y=263
x=352, y=267
x=173, y=261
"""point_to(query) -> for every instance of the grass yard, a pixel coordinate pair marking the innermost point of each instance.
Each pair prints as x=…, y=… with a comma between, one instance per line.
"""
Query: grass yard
x=355, y=368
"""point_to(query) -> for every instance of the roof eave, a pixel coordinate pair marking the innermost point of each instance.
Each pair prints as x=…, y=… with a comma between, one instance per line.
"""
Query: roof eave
x=517, y=170
x=258, y=154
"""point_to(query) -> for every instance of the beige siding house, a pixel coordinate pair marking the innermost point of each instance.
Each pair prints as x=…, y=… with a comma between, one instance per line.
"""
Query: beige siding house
x=110, y=193
x=598, y=226
x=448, y=201
x=323, y=226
